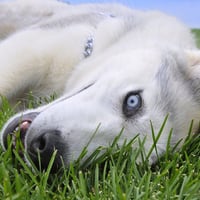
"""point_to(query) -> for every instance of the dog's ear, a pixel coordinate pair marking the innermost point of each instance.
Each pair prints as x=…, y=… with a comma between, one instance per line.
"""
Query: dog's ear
x=193, y=71
x=193, y=58
x=193, y=64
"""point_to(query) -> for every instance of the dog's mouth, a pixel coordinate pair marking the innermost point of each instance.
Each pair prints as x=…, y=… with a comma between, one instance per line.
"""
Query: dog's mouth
x=15, y=132
x=19, y=133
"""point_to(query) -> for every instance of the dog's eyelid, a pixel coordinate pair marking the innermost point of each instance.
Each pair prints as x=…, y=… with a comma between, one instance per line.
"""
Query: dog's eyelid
x=139, y=91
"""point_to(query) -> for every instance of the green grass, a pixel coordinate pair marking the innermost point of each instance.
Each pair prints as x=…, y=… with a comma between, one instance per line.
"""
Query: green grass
x=197, y=35
x=112, y=175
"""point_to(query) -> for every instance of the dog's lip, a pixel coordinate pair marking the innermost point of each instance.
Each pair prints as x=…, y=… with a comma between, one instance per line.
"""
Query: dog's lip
x=20, y=129
x=18, y=125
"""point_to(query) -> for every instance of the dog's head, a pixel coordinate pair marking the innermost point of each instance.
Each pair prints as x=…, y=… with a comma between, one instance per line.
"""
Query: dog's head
x=125, y=91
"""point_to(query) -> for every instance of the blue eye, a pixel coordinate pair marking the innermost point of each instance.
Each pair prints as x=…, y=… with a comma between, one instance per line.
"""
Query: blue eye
x=132, y=103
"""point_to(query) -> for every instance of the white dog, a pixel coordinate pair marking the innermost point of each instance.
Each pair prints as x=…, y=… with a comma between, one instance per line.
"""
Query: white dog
x=113, y=67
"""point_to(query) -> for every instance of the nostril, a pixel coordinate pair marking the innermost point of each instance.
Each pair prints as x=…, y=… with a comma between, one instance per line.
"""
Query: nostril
x=45, y=144
x=42, y=144
x=41, y=149
x=39, y=145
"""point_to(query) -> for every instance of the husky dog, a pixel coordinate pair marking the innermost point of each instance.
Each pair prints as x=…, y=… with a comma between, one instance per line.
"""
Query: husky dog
x=112, y=67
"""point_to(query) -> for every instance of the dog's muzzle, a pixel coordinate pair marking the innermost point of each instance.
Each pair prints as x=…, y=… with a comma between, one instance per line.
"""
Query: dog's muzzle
x=40, y=147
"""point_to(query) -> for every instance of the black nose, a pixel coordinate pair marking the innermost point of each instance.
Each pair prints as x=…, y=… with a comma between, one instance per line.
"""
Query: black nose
x=41, y=149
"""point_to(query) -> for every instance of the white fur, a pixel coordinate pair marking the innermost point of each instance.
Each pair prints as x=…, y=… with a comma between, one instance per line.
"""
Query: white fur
x=43, y=54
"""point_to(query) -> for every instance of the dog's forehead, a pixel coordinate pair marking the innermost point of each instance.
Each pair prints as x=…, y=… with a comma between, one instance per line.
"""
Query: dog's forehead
x=136, y=66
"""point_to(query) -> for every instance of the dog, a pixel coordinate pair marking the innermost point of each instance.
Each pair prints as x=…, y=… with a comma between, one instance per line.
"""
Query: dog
x=112, y=67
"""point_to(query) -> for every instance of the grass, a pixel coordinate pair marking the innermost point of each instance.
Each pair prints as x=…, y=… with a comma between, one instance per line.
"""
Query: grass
x=197, y=34
x=112, y=175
